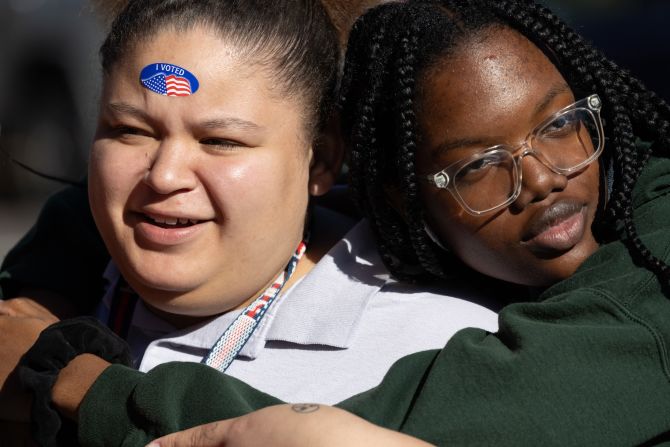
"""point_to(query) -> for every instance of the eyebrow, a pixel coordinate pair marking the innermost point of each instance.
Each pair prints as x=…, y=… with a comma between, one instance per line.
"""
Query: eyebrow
x=460, y=143
x=539, y=107
x=125, y=108
x=229, y=122
x=549, y=97
x=216, y=123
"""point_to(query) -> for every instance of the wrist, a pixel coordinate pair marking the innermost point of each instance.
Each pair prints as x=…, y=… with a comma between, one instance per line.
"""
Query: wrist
x=74, y=381
x=40, y=368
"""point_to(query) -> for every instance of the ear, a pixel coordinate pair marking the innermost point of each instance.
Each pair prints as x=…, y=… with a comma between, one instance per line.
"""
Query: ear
x=327, y=157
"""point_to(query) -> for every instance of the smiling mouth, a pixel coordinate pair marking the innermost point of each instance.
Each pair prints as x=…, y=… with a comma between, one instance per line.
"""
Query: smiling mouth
x=170, y=222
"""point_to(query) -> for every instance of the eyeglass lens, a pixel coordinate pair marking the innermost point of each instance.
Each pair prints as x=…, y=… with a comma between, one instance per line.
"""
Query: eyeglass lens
x=490, y=179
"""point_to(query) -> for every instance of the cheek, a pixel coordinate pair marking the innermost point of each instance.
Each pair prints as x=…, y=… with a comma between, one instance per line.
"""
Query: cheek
x=474, y=240
x=446, y=217
x=593, y=181
x=255, y=187
x=112, y=175
x=473, y=243
x=492, y=250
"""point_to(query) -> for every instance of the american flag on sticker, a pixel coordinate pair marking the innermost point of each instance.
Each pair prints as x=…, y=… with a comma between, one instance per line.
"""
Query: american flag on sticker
x=168, y=80
x=171, y=85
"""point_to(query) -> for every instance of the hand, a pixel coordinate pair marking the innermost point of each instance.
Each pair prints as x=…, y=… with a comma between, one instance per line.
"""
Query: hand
x=17, y=335
x=289, y=425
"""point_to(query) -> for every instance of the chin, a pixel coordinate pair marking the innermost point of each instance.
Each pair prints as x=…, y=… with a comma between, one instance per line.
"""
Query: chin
x=160, y=279
x=169, y=282
x=162, y=271
x=545, y=272
x=183, y=305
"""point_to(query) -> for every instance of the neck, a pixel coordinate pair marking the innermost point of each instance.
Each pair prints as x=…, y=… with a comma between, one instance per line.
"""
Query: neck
x=177, y=320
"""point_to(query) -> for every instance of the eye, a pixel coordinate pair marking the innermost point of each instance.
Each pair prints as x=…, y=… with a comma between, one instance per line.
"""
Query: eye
x=479, y=168
x=221, y=143
x=483, y=163
x=127, y=130
x=561, y=126
x=128, y=134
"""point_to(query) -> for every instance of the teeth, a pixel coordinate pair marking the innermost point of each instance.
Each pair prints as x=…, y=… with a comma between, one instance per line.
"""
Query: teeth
x=173, y=220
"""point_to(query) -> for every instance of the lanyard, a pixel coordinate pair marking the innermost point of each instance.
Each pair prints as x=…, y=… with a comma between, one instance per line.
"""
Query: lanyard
x=233, y=339
x=240, y=330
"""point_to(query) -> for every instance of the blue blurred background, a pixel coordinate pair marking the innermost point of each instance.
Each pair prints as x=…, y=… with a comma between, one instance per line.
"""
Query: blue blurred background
x=49, y=78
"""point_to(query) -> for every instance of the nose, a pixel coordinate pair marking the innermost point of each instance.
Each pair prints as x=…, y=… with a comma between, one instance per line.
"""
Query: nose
x=538, y=182
x=171, y=169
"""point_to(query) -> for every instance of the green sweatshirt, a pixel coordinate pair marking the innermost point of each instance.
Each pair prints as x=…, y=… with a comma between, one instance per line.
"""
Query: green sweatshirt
x=63, y=253
x=586, y=364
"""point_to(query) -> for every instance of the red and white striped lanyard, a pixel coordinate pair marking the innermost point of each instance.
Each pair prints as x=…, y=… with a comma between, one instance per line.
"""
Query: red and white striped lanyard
x=234, y=338
x=240, y=330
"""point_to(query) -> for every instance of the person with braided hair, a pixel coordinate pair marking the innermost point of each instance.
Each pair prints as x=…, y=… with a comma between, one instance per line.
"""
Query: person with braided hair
x=491, y=145
x=389, y=116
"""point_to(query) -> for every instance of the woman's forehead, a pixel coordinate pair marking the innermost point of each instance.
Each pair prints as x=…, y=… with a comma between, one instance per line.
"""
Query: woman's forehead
x=229, y=84
x=215, y=62
x=497, y=66
x=491, y=90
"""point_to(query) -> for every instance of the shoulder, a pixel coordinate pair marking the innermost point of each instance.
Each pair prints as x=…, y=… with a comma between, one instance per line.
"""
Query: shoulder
x=653, y=183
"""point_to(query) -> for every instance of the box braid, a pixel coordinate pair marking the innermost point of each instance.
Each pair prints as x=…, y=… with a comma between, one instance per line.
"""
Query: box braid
x=393, y=45
x=393, y=240
x=386, y=52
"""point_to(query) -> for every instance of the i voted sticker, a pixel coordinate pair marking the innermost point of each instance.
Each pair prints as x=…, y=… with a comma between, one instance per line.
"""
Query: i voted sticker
x=168, y=80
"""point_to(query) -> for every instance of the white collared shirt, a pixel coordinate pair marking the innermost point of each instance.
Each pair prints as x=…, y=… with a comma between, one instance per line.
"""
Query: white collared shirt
x=332, y=335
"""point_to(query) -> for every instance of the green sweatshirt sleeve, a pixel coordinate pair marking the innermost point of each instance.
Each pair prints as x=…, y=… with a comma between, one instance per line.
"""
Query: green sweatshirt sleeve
x=62, y=253
x=125, y=407
x=587, y=364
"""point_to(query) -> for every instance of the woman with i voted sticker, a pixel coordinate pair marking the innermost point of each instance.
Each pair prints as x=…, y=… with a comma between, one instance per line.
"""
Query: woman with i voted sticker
x=443, y=100
x=212, y=136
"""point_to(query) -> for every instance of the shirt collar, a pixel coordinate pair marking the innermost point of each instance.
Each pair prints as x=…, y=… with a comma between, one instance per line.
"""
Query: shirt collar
x=325, y=308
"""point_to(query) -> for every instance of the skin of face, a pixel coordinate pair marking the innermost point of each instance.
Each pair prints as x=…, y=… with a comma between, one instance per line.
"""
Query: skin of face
x=496, y=88
x=235, y=157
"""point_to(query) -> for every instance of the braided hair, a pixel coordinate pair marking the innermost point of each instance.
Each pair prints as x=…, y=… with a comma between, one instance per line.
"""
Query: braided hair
x=394, y=44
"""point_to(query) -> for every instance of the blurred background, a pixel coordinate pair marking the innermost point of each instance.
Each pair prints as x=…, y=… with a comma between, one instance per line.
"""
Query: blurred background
x=49, y=80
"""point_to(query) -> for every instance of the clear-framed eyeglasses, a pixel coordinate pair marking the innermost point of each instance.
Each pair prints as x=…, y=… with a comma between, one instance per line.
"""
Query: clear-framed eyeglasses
x=566, y=143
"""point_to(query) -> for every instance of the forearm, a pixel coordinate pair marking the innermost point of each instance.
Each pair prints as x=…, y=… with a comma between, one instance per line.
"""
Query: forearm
x=290, y=425
x=332, y=427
